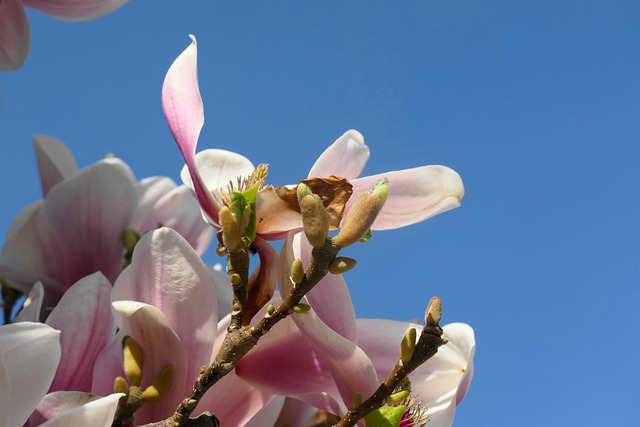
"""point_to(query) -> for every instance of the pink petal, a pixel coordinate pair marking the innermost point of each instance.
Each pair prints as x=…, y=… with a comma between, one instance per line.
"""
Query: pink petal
x=234, y=401
x=274, y=217
x=55, y=161
x=32, y=306
x=268, y=414
x=87, y=236
x=352, y=370
x=29, y=253
x=161, y=346
x=295, y=413
x=330, y=298
x=183, y=109
x=24, y=346
x=287, y=364
x=75, y=10
x=56, y=403
x=150, y=190
x=168, y=274
x=177, y=209
x=15, y=38
x=414, y=195
x=96, y=413
x=84, y=318
x=346, y=157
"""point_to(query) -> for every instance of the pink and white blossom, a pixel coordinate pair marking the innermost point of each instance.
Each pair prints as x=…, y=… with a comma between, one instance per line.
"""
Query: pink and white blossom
x=76, y=229
x=415, y=194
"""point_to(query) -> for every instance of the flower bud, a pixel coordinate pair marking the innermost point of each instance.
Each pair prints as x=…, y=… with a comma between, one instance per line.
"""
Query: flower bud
x=301, y=308
x=160, y=385
x=433, y=314
x=342, y=264
x=133, y=360
x=362, y=215
x=408, y=345
x=314, y=220
x=398, y=397
x=297, y=271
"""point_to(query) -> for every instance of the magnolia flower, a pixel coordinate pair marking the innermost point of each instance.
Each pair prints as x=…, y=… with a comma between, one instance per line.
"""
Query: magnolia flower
x=15, y=38
x=415, y=194
x=166, y=301
x=77, y=228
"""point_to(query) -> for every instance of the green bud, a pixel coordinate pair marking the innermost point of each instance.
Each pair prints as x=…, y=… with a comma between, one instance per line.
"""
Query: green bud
x=160, y=385
x=398, y=397
x=381, y=188
x=235, y=279
x=408, y=345
x=302, y=191
x=297, y=271
x=270, y=309
x=342, y=264
x=133, y=360
x=120, y=385
x=301, y=308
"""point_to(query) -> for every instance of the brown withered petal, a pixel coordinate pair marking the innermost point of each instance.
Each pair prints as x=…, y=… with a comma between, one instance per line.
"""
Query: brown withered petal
x=334, y=192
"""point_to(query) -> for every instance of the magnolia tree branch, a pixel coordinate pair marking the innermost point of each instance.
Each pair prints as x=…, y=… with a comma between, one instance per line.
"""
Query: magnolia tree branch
x=239, y=340
x=426, y=347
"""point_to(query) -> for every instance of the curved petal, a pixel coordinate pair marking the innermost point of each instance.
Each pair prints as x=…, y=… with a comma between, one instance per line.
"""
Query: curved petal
x=74, y=10
x=217, y=168
x=224, y=291
x=183, y=109
x=168, y=274
x=84, y=319
x=414, y=195
x=96, y=413
x=58, y=402
x=346, y=157
x=15, y=37
x=352, y=370
x=55, y=161
x=24, y=346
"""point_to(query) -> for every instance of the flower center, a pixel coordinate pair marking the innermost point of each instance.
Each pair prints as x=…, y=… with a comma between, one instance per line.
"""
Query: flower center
x=258, y=177
x=415, y=415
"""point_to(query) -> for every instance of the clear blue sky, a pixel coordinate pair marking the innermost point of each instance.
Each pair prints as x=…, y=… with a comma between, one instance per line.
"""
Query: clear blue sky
x=535, y=103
